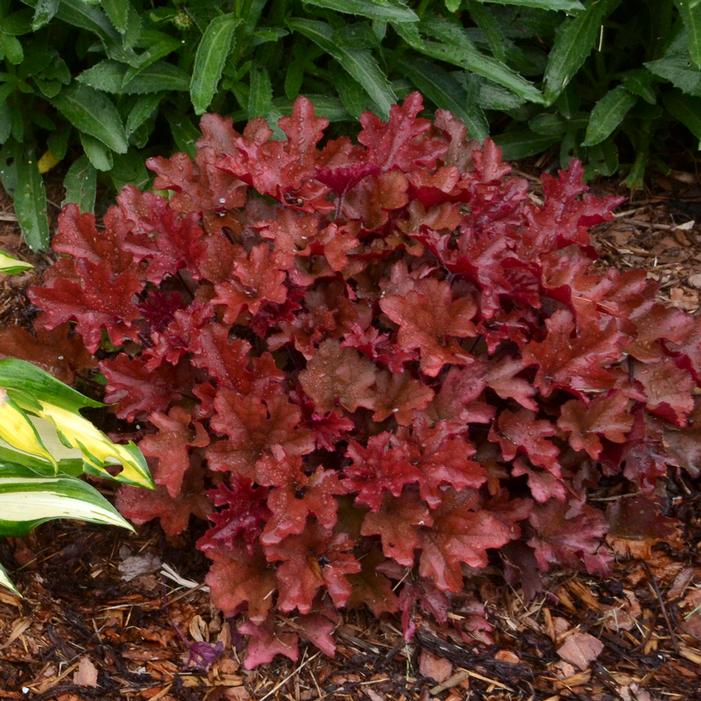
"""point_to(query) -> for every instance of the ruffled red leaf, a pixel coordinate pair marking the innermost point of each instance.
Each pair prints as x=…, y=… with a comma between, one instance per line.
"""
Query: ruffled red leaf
x=98, y=300
x=576, y=361
x=136, y=390
x=521, y=433
x=264, y=643
x=461, y=533
x=430, y=320
x=566, y=536
x=310, y=561
x=339, y=376
x=405, y=141
x=242, y=518
x=296, y=497
x=384, y=466
x=59, y=352
x=400, y=396
x=254, y=428
x=141, y=506
x=155, y=233
x=668, y=390
x=177, y=433
x=606, y=415
x=398, y=524
x=258, y=280
x=238, y=578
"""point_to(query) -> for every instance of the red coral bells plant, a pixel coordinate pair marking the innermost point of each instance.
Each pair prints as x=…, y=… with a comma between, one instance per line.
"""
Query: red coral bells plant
x=372, y=366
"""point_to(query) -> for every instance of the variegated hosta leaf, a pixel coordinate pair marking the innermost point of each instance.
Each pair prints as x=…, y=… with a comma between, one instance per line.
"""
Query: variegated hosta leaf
x=18, y=431
x=6, y=582
x=23, y=376
x=28, y=499
x=97, y=450
x=57, y=432
x=12, y=266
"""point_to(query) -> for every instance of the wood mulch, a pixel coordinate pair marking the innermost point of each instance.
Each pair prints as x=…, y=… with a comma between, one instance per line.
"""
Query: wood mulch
x=107, y=615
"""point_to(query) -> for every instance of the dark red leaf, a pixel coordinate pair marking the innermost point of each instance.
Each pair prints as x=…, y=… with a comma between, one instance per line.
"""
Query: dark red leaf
x=576, y=361
x=606, y=415
x=461, y=533
x=398, y=524
x=170, y=446
x=430, y=320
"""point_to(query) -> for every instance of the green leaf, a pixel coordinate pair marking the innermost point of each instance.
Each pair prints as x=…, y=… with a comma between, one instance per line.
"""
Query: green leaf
x=562, y=5
x=129, y=169
x=384, y=10
x=184, y=132
x=17, y=23
x=491, y=28
x=142, y=110
x=118, y=12
x=12, y=266
x=677, y=70
x=691, y=15
x=28, y=499
x=573, y=44
x=30, y=200
x=327, y=107
x=5, y=122
x=21, y=375
x=44, y=12
x=353, y=98
x=260, y=95
x=156, y=45
x=211, y=55
x=607, y=114
x=80, y=184
x=446, y=92
x=11, y=49
x=687, y=110
x=360, y=64
x=113, y=77
x=640, y=82
x=294, y=76
x=97, y=153
x=106, y=75
x=456, y=47
x=79, y=13
x=547, y=124
x=158, y=77
x=453, y=5
x=602, y=160
x=93, y=113
x=521, y=143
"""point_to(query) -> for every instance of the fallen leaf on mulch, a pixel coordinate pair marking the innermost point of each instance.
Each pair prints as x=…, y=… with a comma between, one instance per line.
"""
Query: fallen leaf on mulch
x=133, y=566
x=436, y=668
x=580, y=649
x=86, y=674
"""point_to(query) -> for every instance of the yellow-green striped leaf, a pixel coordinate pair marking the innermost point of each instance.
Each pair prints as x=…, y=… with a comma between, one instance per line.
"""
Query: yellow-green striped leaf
x=12, y=266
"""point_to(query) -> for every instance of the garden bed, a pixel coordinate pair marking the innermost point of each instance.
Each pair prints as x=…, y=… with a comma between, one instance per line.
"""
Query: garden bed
x=86, y=630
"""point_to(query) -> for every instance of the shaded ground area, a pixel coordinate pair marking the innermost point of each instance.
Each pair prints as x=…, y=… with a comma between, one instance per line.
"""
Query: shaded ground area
x=112, y=616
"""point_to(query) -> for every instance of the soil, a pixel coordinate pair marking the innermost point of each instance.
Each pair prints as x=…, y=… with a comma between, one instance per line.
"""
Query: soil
x=108, y=615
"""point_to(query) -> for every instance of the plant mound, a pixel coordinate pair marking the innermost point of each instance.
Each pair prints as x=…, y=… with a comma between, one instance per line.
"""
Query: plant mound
x=373, y=367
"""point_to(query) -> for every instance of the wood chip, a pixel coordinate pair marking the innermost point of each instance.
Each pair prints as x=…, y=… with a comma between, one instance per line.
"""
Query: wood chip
x=580, y=649
x=86, y=674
